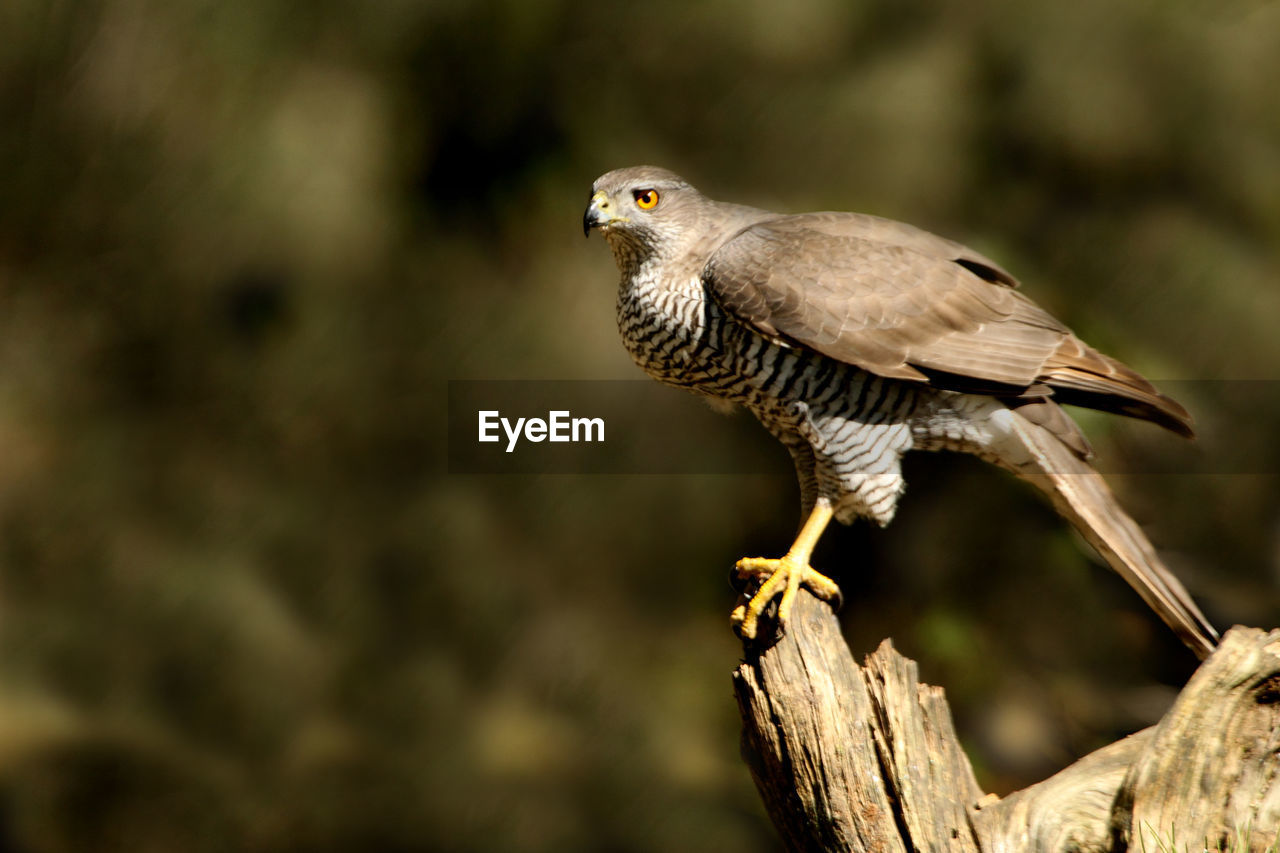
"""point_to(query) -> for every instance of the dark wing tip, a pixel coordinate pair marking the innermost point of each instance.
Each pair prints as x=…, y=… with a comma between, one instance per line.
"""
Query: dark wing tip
x=987, y=271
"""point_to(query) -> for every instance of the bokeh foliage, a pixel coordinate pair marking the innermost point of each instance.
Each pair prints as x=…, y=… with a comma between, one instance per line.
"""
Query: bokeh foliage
x=244, y=245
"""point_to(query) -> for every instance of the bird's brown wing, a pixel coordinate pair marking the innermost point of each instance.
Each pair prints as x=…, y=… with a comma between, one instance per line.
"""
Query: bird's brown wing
x=921, y=309
x=877, y=229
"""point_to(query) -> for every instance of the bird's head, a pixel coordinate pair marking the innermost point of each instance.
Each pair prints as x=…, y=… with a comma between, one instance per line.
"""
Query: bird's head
x=642, y=211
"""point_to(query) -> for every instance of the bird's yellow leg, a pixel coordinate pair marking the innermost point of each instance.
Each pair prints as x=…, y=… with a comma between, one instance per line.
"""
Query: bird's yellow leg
x=785, y=575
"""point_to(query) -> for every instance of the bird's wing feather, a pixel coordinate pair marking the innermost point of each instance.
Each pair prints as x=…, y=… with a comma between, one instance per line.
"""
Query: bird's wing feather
x=889, y=232
x=889, y=307
x=901, y=303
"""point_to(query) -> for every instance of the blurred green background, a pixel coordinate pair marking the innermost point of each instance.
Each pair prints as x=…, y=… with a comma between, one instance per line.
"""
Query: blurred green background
x=244, y=246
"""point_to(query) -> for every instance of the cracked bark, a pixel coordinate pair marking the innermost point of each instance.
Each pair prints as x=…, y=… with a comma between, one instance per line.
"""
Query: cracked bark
x=850, y=757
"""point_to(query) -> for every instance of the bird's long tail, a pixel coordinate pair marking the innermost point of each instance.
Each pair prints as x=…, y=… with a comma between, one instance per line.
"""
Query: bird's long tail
x=1080, y=494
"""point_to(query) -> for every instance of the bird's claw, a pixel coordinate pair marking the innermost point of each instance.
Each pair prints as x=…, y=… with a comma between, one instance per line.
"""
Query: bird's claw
x=778, y=577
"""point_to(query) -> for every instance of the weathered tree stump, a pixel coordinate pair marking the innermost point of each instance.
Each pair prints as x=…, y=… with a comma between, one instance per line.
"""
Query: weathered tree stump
x=852, y=757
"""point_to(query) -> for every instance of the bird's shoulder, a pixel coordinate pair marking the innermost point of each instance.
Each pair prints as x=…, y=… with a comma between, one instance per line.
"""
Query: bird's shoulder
x=849, y=239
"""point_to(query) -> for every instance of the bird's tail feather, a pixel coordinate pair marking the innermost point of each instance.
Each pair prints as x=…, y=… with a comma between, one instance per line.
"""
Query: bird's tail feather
x=1081, y=495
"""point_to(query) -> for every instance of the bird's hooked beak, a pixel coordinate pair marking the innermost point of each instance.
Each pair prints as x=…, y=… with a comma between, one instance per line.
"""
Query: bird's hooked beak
x=601, y=213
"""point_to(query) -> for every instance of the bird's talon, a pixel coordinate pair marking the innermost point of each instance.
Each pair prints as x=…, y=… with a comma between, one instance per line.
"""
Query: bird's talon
x=781, y=579
x=740, y=581
x=836, y=601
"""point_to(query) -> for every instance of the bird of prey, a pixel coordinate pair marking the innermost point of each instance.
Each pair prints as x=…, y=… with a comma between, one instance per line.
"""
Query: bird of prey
x=854, y=339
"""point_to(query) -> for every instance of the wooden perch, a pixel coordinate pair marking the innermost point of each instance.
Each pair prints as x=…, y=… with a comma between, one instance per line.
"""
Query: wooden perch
x=866, y=758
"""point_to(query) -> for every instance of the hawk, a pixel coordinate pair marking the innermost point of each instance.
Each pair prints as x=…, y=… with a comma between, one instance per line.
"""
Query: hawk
x=854, y=339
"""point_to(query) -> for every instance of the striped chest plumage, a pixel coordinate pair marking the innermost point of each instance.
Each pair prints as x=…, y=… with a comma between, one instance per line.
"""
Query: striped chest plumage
x=681, y=337
x=667, y=330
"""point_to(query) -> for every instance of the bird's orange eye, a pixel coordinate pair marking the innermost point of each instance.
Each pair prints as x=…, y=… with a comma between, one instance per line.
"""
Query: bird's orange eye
x=646, y=199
